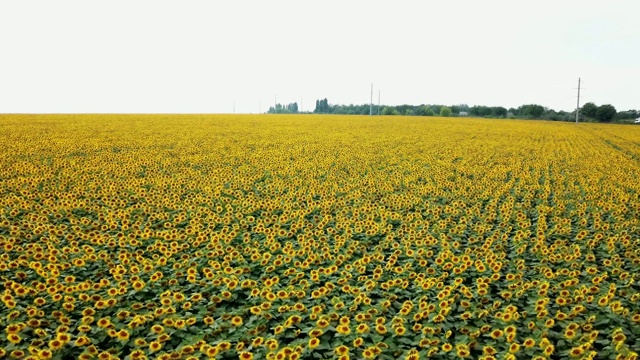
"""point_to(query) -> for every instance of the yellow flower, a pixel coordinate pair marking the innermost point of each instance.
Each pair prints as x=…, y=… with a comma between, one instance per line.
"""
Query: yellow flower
x=343, y=329
x=155, y=346
x=244, y=355
x=314, y=343
x=123, y=335
x=576, y=352
x=14, y=338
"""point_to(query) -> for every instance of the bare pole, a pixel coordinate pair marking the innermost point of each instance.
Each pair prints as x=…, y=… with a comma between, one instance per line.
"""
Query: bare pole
x=371, y=102
x=578, y=103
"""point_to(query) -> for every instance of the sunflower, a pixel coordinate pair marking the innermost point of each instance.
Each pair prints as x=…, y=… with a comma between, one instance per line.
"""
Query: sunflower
x=55, y=344
x=463, y=353
x=246, y=356
x=489, y=350
x=322, y=323
x=81, y=341
x=212, y=351
x=400, y=330
x=358, y=342
x=343, y=329
x=157, y=329
x=256, y=342
x=368, y=354
x=278, y=330
x=123, y=335
x=45, y=354
x=272, y=344
x=548, y=350
x=575, y=352
x=314, y=343
x=603, y=301
x=14, y=338
x=618, y=337
x=155, y=346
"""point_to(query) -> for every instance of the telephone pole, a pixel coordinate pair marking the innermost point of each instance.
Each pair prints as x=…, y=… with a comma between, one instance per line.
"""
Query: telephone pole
x=578, y=104
x=371, y=102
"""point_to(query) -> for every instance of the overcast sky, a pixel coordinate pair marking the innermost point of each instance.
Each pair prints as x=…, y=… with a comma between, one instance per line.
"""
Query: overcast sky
x=206, y=56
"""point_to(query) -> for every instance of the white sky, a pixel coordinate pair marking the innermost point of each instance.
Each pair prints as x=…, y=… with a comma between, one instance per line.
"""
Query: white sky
x=204, y=56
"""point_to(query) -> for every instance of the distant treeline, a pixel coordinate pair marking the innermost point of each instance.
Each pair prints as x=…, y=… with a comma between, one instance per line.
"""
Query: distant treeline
x=588, y=112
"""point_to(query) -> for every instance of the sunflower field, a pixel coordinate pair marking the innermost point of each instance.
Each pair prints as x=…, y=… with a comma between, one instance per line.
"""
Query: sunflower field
x=317, y=237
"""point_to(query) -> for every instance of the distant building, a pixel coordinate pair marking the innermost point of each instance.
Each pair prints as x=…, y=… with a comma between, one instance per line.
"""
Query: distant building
x=463, y=113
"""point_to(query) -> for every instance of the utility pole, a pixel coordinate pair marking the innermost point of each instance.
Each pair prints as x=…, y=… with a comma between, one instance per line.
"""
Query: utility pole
x=371, y=102
x=378, y=102
x=578, y=104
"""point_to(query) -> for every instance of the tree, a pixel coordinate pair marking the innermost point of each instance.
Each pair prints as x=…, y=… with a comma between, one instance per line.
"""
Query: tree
x=457, y=109
x=605, y=113
x=626, y=115
x=424, y=110
x=531, y=111
x=322, y=107
x=589, y=110
x=387, y=110
x=428, y=111
x=445, y=111
x=480, y=111
x=499, y=112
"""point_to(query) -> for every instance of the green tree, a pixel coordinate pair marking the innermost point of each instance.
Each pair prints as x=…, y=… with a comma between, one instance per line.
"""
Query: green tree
x=445, y=111
x=605, y=113
x=428, y=111
x=589, y=110
x=424, y=110
x=480, y=111
x=387, y=110
x=499, y=112
x=531, y=111
x=322, y=107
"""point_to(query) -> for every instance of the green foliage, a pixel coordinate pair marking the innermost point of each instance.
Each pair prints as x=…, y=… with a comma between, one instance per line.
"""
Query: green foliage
x=589, y=110
x=322, y=107
x=284, y=109
x=605, y=113
x=531, y=111
x=387, y=110
x=445, y=111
